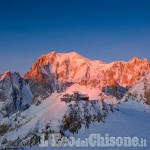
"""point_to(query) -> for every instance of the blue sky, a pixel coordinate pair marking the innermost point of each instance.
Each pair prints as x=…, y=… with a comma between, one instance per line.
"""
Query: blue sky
x=98, y=29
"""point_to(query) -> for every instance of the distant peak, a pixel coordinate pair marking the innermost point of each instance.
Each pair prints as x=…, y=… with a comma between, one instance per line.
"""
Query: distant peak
x=134, y=59
x=69, y=54
x=74, y=53
x=5, y=74
x=8, y=73
x=63, y=56
x=146, y=60
x=52, y=53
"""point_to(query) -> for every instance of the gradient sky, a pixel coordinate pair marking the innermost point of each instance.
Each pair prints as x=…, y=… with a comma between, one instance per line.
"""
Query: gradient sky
x=108, y=30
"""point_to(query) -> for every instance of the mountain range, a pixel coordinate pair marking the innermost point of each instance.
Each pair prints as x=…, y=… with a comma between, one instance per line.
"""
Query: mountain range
x=31, y=105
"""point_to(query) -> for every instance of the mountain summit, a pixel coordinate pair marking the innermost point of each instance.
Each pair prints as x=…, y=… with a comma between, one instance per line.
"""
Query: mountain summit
x=65, y=66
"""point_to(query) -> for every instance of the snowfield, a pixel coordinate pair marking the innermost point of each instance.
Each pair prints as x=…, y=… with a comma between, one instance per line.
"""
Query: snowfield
x=125, y=122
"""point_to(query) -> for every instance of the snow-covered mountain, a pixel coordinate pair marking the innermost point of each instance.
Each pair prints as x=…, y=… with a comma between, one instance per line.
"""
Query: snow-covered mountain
x=56, y=71
x=15, y=94
x=32, y=106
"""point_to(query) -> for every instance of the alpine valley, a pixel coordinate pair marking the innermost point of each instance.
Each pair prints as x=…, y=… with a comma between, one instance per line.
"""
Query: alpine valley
x=117, y=100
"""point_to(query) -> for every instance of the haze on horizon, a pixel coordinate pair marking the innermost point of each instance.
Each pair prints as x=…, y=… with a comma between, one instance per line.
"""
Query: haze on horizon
x=100, y=30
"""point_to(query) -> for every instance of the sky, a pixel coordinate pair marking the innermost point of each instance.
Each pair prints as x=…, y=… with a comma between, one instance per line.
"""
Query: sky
x=107, y=30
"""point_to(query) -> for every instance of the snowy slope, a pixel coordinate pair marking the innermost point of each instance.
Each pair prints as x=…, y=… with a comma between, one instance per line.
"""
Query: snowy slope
x=50, y=116
x=126, y=122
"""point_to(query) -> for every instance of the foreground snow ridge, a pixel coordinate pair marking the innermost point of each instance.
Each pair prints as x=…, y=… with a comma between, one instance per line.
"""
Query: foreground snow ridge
x=54, y=116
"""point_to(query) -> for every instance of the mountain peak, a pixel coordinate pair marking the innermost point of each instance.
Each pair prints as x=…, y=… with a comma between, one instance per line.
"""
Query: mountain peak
x=52, y=53
x=5, y=74
x=71, y=55
x=74, y=53
x=55, y=56
x=135, y=58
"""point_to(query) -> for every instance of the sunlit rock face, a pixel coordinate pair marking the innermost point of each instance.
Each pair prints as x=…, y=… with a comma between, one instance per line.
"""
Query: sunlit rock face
x=57, y=71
